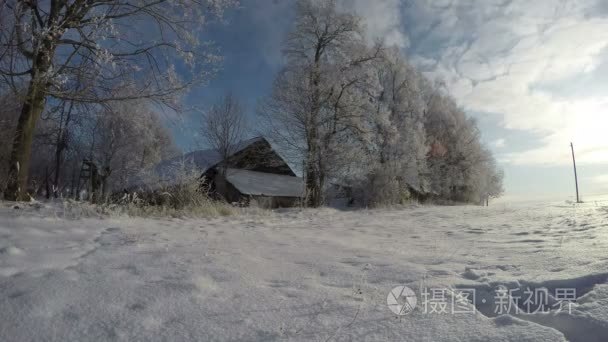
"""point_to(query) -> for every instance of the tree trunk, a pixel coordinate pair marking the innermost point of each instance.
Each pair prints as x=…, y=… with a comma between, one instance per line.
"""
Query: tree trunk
x=58, y=164
x=104, y=190
x=312, y=186
x=95, y=183
x=19, y=163
x=16, y=188
x=73, y=185
x=60, y=146
x=104, y=183
x=47, y=186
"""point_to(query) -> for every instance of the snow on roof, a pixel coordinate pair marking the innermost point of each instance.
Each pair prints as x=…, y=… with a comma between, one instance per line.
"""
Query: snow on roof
x=265, y=184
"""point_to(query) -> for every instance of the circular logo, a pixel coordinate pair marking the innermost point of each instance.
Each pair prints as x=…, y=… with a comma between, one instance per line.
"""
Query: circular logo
x=401, y=300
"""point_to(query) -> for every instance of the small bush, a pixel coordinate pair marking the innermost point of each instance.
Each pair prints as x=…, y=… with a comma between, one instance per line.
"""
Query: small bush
x=183, y=194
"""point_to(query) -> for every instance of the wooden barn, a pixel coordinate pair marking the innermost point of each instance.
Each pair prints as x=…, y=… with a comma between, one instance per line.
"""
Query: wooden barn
x=255, y=171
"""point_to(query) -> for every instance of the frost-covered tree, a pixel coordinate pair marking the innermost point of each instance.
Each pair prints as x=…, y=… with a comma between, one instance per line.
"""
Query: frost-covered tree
x=318, y=107
x=486, y=180
x=55, y=133
x=124, y=138
x=460, y=168
x=95, y=52
x=364, y=118
x=53, y=141
x=399, y=137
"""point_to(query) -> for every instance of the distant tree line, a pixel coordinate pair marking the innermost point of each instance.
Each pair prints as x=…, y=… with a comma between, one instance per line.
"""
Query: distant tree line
x=360, y=116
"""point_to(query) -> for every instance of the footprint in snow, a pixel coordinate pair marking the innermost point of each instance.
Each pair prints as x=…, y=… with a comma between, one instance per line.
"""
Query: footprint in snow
x=11, y=250
x=278, y=283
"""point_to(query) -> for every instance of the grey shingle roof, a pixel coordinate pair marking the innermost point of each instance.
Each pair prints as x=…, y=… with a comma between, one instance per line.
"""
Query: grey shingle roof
x=265, y=184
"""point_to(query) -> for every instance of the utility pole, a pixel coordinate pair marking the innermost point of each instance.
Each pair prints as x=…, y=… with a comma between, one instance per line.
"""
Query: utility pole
x=575, y=176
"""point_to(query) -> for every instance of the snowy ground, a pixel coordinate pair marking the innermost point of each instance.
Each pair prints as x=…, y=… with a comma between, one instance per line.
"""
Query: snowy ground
x=314, y=275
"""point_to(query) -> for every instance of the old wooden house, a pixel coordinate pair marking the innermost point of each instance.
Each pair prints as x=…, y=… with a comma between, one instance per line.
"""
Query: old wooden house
x=254, y=171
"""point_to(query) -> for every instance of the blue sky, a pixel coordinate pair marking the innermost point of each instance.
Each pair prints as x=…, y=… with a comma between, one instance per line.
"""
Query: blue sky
x=533, y=73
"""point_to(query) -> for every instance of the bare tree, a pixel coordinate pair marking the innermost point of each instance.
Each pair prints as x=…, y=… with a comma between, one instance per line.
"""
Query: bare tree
x=224, y=126
x=92, y=51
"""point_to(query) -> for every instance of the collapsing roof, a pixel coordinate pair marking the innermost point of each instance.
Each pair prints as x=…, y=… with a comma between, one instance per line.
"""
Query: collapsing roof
x=201, y=160
x=265, y=184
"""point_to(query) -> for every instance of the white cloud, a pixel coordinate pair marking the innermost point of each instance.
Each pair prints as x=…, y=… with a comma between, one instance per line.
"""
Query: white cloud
x=601, y=179
x=495, y=54
x=499, y=143
x=595, y=185
x=382, y=19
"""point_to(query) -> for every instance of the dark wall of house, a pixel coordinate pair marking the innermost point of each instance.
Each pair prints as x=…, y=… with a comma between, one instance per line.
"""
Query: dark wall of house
x=224, y=190
x=208, y=180
x=221, y=189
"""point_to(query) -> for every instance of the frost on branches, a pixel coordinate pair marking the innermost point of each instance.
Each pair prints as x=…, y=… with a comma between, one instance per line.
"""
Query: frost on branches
x=95, y=52
x=362, y=118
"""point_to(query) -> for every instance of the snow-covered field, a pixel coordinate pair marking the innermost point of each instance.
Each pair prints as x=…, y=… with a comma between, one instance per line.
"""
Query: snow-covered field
x=312, y=275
